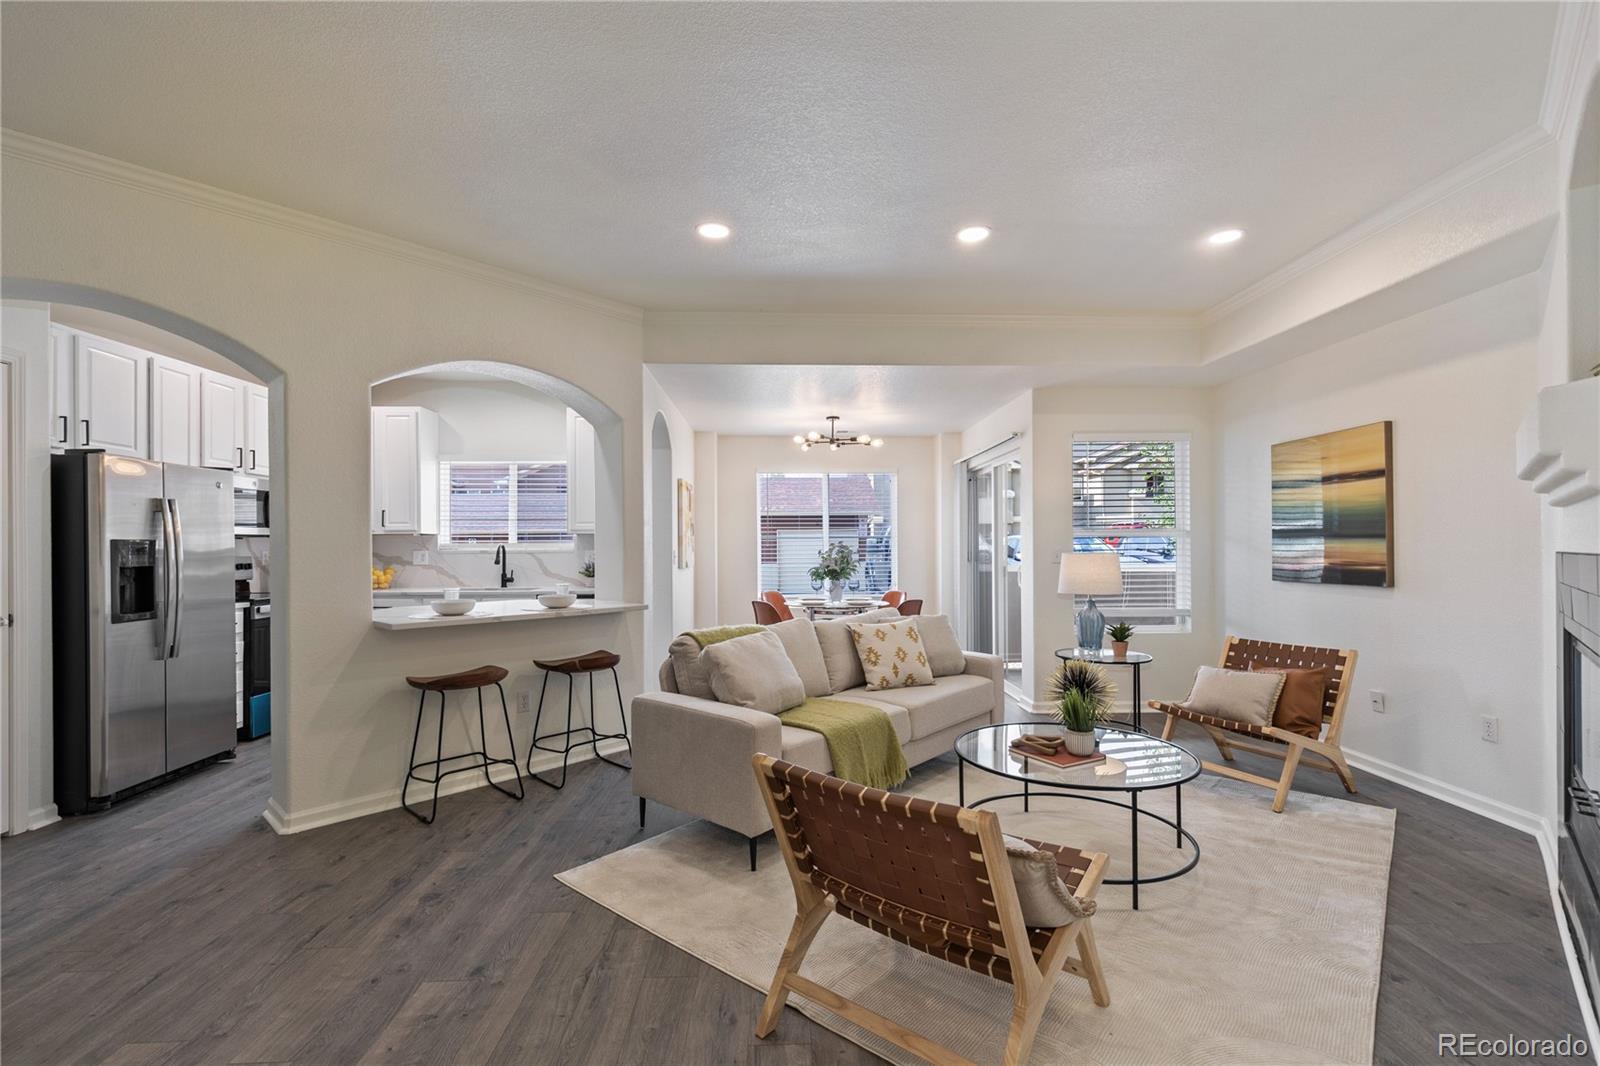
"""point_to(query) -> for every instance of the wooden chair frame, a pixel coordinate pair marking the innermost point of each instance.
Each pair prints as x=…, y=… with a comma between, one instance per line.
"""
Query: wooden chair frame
x=1291, y=746
x=1032, y=978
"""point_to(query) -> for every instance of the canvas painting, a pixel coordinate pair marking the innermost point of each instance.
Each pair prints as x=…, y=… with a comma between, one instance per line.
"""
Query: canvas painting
x=1333, y=508
x=685, y=524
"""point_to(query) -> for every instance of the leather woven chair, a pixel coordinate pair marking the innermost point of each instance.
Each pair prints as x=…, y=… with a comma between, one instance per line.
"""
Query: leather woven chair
x=893, y=597
x=766, y=614
x=779, y=604
x=930, y=875
x=910, y=607
x=1239, y=654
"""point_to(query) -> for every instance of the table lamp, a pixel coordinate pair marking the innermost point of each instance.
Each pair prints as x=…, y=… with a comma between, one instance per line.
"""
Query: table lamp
x=1090, y=574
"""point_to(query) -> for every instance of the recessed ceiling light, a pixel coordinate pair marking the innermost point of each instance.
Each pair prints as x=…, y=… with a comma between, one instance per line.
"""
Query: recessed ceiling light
x=713, y=231
x=1225, y=236
x=973, y=234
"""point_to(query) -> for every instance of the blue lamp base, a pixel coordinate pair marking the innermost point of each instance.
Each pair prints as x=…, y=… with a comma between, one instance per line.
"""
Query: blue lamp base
x=1091, y=626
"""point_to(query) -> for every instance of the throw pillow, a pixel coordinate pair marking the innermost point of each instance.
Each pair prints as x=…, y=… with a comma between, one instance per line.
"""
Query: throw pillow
x=754, y=672
x=1299, y=707
x=1237, y=695
x=688, y=669
x=939, y=641
x=1045, y=899
x=839, y=649
x=891, y=654
x=799, y=638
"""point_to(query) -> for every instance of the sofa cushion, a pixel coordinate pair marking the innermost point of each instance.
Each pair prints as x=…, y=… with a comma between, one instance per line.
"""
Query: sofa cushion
x=753, y=671
x=839, y=649
x=948, y=701
x=808, y=748
x=891, y=653
x=941, y=644
x=800, y=643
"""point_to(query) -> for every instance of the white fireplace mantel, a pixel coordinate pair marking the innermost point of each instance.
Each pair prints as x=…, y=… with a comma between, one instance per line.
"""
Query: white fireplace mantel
x=1558, y=443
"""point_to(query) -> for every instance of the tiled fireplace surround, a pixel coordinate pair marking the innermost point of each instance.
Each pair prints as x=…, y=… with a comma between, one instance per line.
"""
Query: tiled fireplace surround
x=1578, y=846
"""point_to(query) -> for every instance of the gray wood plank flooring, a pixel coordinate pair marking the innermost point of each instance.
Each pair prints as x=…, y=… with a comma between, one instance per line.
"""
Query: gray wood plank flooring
x=179, y=929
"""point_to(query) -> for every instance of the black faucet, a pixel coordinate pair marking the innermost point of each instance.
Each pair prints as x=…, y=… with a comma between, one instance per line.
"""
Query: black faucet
x=506, y=576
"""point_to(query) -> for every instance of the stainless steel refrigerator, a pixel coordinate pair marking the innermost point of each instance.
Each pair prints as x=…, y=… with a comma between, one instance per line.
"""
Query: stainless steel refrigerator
x=143, y=618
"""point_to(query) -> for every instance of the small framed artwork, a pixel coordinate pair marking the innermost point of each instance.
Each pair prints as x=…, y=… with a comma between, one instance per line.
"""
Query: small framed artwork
x=685, y=525
x=1333, y=508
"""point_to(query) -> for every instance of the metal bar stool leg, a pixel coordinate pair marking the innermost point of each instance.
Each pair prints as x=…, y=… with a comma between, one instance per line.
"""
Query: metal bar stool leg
x=566, y=753
x=511, y=738
x=533, y=745
x=622, y=712
x=488, y=761
x=411, y=763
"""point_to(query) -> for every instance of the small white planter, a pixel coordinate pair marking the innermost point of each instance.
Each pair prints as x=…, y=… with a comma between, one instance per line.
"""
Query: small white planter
x=1080, y=743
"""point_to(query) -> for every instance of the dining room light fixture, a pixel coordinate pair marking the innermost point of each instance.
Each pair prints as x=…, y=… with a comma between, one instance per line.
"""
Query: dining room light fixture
x=835, y=438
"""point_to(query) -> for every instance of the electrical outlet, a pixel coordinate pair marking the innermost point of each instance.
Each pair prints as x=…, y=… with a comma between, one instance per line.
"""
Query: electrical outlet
x=1380, y=704
x=419, y=558
x=1491, y=729
x=525, y=701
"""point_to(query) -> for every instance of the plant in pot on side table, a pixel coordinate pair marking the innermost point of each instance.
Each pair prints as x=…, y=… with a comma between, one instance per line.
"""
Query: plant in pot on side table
x=1082, y=695
x=1119, y=632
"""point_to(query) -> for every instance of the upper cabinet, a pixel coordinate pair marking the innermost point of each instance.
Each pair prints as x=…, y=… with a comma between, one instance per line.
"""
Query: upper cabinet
x=405, y=470
x=580, y=473
x=222, y=405
x=174, y=411
x=255, y=430
x=62, y=400
x=111, y=397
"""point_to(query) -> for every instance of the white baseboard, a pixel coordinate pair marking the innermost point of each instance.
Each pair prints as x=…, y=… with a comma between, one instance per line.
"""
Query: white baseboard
x=389, y=799
x=39, y=817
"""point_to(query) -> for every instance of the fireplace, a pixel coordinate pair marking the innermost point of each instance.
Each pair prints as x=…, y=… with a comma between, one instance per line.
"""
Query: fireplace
x=1578, y=849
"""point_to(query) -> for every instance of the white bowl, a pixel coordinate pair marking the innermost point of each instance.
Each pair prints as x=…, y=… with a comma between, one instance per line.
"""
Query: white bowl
x=452, y=607
x=558, y=600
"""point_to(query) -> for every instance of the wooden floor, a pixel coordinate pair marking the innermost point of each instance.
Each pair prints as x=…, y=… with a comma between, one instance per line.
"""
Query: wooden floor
x=178, y=928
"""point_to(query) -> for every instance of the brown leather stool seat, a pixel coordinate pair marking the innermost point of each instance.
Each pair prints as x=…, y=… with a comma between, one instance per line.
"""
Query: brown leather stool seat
x=475, y=678
x=580, y=664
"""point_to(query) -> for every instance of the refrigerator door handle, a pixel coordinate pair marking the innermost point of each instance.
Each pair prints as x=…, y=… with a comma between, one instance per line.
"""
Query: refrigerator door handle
x=177, y=577
x=169, y=550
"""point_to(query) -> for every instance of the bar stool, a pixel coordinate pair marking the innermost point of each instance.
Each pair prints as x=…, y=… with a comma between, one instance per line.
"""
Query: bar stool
x=477, y=679
x=590, y=664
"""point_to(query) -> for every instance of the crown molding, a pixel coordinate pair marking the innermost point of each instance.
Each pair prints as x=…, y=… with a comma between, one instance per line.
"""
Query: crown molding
x=1558, y=108
x=1173, y=323
x=1474, y=170
x=62, y=157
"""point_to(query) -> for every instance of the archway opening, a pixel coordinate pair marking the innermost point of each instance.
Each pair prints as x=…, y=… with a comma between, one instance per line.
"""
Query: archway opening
x=663, y=536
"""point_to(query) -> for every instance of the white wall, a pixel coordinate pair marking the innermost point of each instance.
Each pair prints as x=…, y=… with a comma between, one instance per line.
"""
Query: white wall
x=706, y=544
x=1461, y=633
x=739, y=459
x=680, y=613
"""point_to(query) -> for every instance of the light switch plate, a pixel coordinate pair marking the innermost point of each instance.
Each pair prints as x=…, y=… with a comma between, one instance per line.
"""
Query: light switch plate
x=419, y=557
x=1380, y=704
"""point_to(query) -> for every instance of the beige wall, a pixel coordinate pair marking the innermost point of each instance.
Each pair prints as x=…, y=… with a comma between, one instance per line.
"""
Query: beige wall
x=739, y=459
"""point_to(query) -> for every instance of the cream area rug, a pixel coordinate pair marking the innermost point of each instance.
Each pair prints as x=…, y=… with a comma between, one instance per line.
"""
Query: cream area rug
x=1267, y=952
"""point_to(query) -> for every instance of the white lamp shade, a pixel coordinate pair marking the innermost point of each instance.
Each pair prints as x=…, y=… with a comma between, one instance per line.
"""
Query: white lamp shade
x=1090, y=574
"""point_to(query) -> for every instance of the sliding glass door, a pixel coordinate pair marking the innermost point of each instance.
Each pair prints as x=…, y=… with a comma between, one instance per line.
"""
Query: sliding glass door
x=994, y=557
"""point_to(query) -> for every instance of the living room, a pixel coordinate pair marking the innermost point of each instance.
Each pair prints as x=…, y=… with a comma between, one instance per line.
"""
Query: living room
x=909, y=354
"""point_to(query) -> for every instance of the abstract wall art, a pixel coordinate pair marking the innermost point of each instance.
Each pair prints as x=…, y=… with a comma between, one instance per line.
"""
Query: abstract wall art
x=1333, y=508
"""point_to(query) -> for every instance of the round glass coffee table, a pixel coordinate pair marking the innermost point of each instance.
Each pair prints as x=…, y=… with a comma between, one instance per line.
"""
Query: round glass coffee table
x=1134, y=763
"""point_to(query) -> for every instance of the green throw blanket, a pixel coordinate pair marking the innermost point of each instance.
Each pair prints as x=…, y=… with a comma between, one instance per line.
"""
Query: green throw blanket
x=716, y=635
x=861, y=740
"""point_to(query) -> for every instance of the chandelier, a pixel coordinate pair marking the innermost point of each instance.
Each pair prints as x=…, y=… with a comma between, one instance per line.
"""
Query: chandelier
x=835, y=438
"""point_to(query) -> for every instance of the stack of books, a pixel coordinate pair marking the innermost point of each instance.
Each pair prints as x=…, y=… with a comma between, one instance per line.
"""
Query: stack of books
x=1051, y=748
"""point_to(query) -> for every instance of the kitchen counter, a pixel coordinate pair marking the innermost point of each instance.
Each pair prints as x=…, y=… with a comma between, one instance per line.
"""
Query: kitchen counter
x=493, y=611
x=511, y=592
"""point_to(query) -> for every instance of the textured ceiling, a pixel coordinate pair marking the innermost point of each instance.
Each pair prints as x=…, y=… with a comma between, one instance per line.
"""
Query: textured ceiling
x=844, y=143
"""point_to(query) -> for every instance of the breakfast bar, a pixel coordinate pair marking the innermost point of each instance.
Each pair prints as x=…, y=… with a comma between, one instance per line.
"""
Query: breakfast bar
x=493, y=611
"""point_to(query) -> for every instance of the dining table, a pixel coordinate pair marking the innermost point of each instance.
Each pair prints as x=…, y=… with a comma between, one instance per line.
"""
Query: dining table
x=820, y=608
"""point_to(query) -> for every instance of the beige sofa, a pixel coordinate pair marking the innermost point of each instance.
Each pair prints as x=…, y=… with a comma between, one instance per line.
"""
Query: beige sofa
x=695, y=754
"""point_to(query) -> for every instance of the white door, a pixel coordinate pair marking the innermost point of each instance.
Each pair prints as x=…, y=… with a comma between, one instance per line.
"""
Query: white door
x=113, y=397
x=174, y=411
x=60, y=388
x=394, y=470
x=255, y=430
x=221, y=421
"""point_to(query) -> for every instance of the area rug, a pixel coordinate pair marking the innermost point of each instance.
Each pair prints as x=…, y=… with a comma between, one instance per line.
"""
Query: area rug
x=1267, y=952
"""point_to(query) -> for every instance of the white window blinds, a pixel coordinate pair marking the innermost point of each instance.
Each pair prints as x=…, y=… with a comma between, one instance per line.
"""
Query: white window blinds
x=1130, y=495
x=800, y=514
x=503, y=503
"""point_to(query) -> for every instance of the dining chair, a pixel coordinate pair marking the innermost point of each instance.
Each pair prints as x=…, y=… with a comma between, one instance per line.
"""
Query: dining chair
x=779, y=604
x=893, y=597
x=910, y=607
x=766, y=614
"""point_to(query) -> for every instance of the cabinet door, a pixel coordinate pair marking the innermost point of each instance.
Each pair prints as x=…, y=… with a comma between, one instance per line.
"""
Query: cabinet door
x=61, y=390
x=395, y=488
x=174, y=411
x=221, y=421
x=112, y=390
x=255, y=429
x=580, y=477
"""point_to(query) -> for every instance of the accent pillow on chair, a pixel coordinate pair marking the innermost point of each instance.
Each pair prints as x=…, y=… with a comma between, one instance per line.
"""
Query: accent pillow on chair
x=1045, y=900
x=1299, y=707
x=755, y=672
x=891, y=654
x=1237, y=695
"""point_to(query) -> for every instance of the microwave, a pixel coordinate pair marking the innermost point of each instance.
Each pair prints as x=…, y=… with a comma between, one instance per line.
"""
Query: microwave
x=249, y=506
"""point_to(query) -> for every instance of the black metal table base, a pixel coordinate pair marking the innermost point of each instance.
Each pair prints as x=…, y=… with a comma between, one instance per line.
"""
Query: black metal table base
x=593, y=739
x=485, y=760
x=1135, y=813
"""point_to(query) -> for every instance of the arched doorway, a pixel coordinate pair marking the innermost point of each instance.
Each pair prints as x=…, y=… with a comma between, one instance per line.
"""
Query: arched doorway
x=663, y=536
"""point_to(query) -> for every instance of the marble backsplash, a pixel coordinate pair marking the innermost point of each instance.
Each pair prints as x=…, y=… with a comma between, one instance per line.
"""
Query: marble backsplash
x=477, y=569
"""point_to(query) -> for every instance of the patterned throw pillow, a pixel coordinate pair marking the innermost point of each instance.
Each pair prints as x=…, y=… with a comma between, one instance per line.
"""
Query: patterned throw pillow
x=891, y=653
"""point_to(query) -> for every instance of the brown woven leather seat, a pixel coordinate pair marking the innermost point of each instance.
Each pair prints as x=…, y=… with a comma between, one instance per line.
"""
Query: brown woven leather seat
x=478, y=677
x=580, y=664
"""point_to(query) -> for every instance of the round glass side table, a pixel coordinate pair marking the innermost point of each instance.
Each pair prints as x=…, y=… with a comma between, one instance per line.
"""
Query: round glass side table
x=1133, y=660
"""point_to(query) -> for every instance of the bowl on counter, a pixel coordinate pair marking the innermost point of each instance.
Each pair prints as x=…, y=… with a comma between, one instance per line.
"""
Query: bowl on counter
x=451, y=608
x=558, y=600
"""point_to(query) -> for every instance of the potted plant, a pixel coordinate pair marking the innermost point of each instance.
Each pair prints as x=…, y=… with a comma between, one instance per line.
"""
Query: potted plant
x=1082, y=695
x=1119, y=632
x=836, y=564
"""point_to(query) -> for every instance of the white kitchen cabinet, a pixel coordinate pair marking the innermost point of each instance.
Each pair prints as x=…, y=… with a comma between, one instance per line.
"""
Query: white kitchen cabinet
x=222, y=418
x=111, y=393
x=61, y=389
x=174, y=411
x=255, y=430
x=580, y=473
x=405, y=470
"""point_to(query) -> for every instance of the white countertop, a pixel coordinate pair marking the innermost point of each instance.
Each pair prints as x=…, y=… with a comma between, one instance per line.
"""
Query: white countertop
x=495, y=611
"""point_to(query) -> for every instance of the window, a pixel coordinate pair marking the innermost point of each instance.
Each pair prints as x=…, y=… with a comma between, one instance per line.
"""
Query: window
x=800, y=514
x=1130, y=495
x=503, y=503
